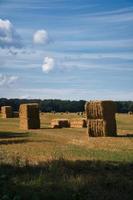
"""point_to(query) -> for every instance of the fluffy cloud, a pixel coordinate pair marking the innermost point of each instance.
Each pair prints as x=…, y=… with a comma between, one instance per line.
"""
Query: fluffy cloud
x=41, y=37
x=48, y=64
x=7, y=80
x=8, y=35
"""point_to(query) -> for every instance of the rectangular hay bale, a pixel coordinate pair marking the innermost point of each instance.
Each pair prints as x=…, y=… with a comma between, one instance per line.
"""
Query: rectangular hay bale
x=26, y=123
x=78, y=123
x=101, y=127
x=100, y=110
x=6, y=112
x=60, y=123
x=30, y=110
x=29, y=116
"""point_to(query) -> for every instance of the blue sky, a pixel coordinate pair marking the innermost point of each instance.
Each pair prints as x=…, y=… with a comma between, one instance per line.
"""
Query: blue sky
x=66, y=49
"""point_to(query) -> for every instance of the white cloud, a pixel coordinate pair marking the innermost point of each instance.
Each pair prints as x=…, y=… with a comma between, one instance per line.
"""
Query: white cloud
x=48, y=64
x=117, y=15
x=41, y=37
x=7, y=80
x=8, y=35
x=29, y=59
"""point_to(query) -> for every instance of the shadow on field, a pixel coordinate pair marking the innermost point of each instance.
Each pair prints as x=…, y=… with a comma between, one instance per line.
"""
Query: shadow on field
x=126, y=135
x=8, y=134
x=6, y=142
x=45, y=128
x=21, y=141
x=67, y=180
x=19, y=138
x=12, y=138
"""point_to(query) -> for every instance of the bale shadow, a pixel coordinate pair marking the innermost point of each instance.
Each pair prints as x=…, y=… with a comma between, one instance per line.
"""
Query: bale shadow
x=6, y=142
x=7, y=137
x=45, y=128
x=68, y=180
x=9, y=134
x=22, y=141
x=125, y=135
x=18, y=138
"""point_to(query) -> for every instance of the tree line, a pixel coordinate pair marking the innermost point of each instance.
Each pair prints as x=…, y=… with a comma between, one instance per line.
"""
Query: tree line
x=56, y=105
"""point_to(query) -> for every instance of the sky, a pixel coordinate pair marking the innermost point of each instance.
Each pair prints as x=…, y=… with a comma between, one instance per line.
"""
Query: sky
x=66, y=49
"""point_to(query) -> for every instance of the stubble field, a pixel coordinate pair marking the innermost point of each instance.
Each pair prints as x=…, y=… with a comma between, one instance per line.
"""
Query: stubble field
x=65, y=163
x=69, y=143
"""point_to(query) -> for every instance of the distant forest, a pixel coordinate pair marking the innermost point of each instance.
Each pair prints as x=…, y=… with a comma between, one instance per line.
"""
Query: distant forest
x=49, y=105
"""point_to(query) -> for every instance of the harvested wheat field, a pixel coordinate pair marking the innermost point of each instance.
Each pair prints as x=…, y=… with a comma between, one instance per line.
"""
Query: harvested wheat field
x=64, y=163
x=45, y=143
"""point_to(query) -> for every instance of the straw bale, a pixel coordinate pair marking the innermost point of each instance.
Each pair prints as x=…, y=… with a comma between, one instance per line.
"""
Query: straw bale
x=30, y=110
x=30, y=123
x=130, y=113
x=101, y=127
x=29, y=116
x=100, y=110
x=78, y=123
x=80, y=113
x=60, y=123
x=101, y=118
x=6, y=112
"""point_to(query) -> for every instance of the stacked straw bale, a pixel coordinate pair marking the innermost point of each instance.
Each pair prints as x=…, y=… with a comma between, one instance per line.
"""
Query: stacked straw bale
x=60, y=123
x=130, y=113
x=29, y=116
x=6, y=112
x=78, y=123
x=80, y=113
x=101, y=118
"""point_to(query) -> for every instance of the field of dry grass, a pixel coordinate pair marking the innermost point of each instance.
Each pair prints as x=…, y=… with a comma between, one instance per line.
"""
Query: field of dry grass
x=64, y=163
x=69, y=143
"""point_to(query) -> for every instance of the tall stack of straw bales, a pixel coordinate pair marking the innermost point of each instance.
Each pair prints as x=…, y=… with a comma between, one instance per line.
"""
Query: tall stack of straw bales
x=6, y=112
x=60, y=123
x=29, y=116
x=101, y=118
x=78, y=123
x=130, y=113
